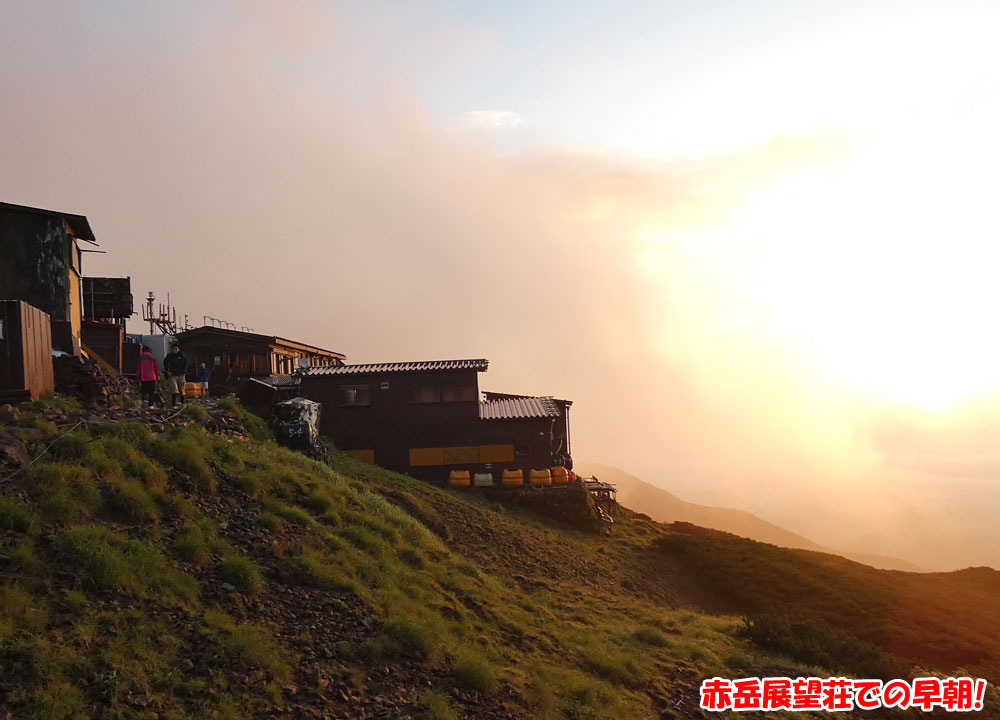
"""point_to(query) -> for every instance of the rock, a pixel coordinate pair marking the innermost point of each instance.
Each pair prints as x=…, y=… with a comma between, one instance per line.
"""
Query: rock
x=187, y=665
x=228, y=587
x=138, y=700
x=9, y=415
x=13, y=451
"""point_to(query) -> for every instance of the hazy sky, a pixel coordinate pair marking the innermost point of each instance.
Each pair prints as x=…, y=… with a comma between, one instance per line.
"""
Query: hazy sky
x=754, y=241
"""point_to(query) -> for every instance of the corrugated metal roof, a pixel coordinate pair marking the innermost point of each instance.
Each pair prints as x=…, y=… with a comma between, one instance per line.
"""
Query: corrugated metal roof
x=518, y=408
x=422, y=366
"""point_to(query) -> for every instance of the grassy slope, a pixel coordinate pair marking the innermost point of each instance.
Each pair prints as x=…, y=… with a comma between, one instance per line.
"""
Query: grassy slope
x=193, y=574
x=204, y=576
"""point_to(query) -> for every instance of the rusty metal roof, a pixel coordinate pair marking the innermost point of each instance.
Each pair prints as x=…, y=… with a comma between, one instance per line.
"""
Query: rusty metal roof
x=394, y=367
x=518, y=408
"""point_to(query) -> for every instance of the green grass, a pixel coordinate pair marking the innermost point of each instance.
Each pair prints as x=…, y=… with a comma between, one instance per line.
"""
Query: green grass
x=249, y=645
x=256, y=426
x=191, y=545
x=52, y=401
x=195, y=411
x=475, y=671
x=130, y=500
x=242, y=572
x=106, y=559
x=15, y=515
x=65, y=493
x=291, y=513
x=439, y=706
x=186, y=451
x=134, y=433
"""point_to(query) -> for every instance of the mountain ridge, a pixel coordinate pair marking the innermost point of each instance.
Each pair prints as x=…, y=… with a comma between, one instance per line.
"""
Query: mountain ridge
x=663, y=506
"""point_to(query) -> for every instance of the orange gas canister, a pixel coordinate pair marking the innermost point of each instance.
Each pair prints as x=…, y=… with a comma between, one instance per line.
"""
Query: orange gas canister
x=513, y=478
x=540, y=478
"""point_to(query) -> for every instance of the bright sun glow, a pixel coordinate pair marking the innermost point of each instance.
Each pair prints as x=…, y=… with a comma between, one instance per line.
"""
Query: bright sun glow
x=881, y=270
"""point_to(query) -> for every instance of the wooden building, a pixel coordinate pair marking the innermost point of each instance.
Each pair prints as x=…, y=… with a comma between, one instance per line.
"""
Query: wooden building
x=25, y=352
x=42, y=266
x=426, y=418
x=234, y=356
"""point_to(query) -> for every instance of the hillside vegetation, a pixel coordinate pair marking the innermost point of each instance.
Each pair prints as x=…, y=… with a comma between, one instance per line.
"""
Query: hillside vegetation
x=187, y=574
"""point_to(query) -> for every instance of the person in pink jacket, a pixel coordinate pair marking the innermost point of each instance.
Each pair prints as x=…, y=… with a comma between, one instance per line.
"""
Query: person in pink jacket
x=148, y=373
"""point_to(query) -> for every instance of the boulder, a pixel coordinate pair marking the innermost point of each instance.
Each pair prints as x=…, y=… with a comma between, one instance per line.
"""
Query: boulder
x=9, y=415
x=13, y=451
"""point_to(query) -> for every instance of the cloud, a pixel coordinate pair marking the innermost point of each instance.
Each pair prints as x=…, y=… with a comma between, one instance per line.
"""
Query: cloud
x=493, y=119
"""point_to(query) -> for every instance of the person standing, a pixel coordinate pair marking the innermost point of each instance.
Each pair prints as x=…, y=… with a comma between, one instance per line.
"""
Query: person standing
x=148, y=373
x=175, y=368
x=203, y=375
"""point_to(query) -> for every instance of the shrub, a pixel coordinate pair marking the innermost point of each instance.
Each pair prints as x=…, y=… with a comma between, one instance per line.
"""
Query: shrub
x=129, y=499
x=314, y=569
x=270, y=520
x=174, y=504
x=72, y=445
x=15, y=515
x=134, y=463
x=438, y=706
x=60, y=700
x=191, y=545
x=408, y=636
x=18, y=606
x=66, y=493
x=23, y=555
x=241, y=571
x=475, y=671
x=195, y=411
x=47, y=427
x=186, y=453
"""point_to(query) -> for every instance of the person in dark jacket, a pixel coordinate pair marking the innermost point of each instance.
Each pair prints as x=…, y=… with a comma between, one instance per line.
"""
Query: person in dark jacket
x=175, y=368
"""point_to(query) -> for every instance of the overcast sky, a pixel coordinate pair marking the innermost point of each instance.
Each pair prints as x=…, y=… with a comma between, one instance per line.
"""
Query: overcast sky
x=753, y=241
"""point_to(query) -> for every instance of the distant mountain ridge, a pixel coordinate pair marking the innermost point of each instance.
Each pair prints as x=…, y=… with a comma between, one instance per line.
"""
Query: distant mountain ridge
x=663, y=506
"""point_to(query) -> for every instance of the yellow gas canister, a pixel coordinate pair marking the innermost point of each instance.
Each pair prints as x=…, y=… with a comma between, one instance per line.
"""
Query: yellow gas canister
x=540, y=478
x=513, y=478
x=459, y=478
x=560, y=475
